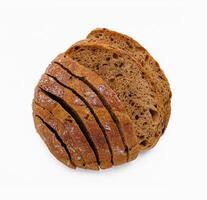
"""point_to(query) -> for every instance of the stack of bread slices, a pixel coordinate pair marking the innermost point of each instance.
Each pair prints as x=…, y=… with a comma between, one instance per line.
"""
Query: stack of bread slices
x=102, y=102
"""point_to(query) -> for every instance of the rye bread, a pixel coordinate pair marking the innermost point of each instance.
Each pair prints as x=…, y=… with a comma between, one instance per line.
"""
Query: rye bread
x=130, y=82
x=81, y=113
x=66, y=128
x=53, y=144
x=128, y=44
x=62, y=133
x=103, y=118
x=108, y=98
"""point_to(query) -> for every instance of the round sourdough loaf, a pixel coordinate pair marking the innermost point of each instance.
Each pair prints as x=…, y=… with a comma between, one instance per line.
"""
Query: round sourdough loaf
x=101, y=102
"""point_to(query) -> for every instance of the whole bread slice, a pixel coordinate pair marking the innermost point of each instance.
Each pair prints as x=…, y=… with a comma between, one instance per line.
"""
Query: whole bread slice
x=107, y=98
x=81, y=113
x=66, y=128
x=131, y=83
x=86, y=94
x=128, y=44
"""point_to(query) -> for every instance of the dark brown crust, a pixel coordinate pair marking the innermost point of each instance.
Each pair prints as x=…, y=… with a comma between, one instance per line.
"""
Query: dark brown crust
x=143, y=56
x=72, y=134
x=52, y=122
x=84, y=115
x=110, y=97
x=95, y=45
x=52, y=143
x=104, y=118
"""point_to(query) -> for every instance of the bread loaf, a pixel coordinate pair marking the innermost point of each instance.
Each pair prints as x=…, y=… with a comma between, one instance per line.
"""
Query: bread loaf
x=101, y=102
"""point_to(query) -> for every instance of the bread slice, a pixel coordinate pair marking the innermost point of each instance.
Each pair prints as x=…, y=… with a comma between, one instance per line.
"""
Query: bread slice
x=81, y=113
x=128, y=44
x=130, y=82
x=108, y=98
x=103, y=118
x=65, y=129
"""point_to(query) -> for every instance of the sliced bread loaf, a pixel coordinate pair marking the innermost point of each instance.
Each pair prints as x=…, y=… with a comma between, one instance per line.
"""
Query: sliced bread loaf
x=128, y=44
x=110, y=108
x=65, y=129
x=81, y=113
x=130, y=82
x=103, y=118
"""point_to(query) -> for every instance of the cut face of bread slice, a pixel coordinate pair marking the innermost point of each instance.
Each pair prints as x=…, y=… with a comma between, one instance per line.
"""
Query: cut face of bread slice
x=105, y=104
x=81, y=113
x=66, y=129
x=103, y=118
x=128, y=44
x=130, y=82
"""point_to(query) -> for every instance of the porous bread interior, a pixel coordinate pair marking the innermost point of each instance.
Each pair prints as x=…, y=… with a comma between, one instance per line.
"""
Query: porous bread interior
x=133, y=47
x=125, y=78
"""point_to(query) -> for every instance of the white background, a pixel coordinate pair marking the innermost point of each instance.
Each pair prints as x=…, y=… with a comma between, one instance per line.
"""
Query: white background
x=32, y=33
